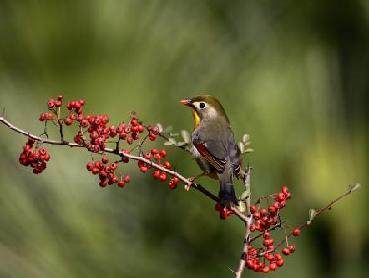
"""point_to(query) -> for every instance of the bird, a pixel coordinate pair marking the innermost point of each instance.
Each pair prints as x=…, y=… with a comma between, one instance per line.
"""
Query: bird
x=214, y=146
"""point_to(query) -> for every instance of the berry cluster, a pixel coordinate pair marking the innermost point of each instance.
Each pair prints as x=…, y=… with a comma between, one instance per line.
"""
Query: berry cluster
x=265, y=218
x=157, y=156
x=76, y=113
x=106, y=172
x=47, y=116
x=153, y=132
x=266, y=257
x=55, y=103
x=34, y=156
x=224, y=212
x=93, y=133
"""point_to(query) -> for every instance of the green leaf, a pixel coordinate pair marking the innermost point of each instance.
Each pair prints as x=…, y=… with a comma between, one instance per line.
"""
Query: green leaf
x=186, y=136
x=354, y=187
x=171, y=141
x=168, y=129
x=241, y=146
x=312, y=214
x=245, y=138
x=180, y=144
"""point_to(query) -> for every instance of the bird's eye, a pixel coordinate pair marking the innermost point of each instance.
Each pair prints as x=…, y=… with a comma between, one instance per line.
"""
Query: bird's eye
x=202, y=105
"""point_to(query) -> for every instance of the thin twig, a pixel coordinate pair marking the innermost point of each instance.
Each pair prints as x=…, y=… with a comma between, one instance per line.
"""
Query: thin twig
x=319, y=212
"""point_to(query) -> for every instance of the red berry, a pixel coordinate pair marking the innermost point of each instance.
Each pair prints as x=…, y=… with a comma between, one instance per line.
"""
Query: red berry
x=68, y=121
x=121, y=183
x=144, y=169
x=273, y=266
x=90, y=166
x=281, y=197
x=134, y=122
x=154, y=151
x=51, y=103
x=296, y=232
x=292, y=248
x=268, y=242
x=218, y=207
x=286, y=251
x=156, y=174
x=127, y=179
x=163, y=176
x=57, y=103
x=167, y=165
x=163, y=153
x=272, y=209
x=103, y=183
x=252, y=209
x=152, y=137
x=263, y=212
x=104, y=160
x=280, y=262
x=266, y=269
x=95, y=170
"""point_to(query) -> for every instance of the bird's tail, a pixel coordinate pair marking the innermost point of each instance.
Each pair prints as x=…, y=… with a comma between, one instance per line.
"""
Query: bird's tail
x=227, y=194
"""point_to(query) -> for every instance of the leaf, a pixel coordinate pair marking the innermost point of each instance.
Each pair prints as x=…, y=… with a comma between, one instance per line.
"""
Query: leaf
x=245, y=138
x=312, y=214
x=241, y=146
x=354, y=187
x=180, y=144
x=168, y=129
x=160, y=127
x=186, y=136
x=249, y=150
x=171, y=141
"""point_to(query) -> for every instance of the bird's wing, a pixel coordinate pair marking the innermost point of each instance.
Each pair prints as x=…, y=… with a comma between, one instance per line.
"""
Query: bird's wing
x=217, y=163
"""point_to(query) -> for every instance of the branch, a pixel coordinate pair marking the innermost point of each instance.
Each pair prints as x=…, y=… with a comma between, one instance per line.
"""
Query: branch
x=315, y=213
x=242, y=263
x=185, y=180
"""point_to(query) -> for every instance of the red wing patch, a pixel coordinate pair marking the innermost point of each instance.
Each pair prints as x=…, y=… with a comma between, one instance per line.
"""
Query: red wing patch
x=217, y=163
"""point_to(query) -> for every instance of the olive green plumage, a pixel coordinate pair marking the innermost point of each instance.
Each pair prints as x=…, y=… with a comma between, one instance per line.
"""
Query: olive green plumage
x=213, y=144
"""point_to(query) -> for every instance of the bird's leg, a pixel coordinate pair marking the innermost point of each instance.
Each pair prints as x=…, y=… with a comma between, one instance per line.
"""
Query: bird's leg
x=192, y=179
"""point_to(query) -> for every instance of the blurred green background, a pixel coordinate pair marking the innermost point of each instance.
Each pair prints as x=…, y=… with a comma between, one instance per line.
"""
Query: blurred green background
x=292, y=74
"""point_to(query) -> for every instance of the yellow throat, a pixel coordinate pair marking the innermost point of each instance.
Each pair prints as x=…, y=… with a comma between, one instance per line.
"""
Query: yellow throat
x=196, y=118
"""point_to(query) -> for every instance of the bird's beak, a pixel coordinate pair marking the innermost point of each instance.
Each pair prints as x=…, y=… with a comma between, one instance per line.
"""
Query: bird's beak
x=186, y=102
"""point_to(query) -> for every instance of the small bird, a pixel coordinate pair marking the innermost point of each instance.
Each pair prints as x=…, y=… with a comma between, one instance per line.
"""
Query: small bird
x=214, y=147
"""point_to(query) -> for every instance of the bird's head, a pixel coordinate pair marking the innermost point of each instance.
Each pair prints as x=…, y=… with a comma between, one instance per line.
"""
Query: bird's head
x=205, y=107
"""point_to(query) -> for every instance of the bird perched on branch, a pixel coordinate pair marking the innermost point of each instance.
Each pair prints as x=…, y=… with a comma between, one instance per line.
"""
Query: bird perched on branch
x=214, y=147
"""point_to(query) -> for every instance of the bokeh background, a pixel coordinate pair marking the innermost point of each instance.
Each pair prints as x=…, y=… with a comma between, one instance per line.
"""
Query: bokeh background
x=292, y=74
